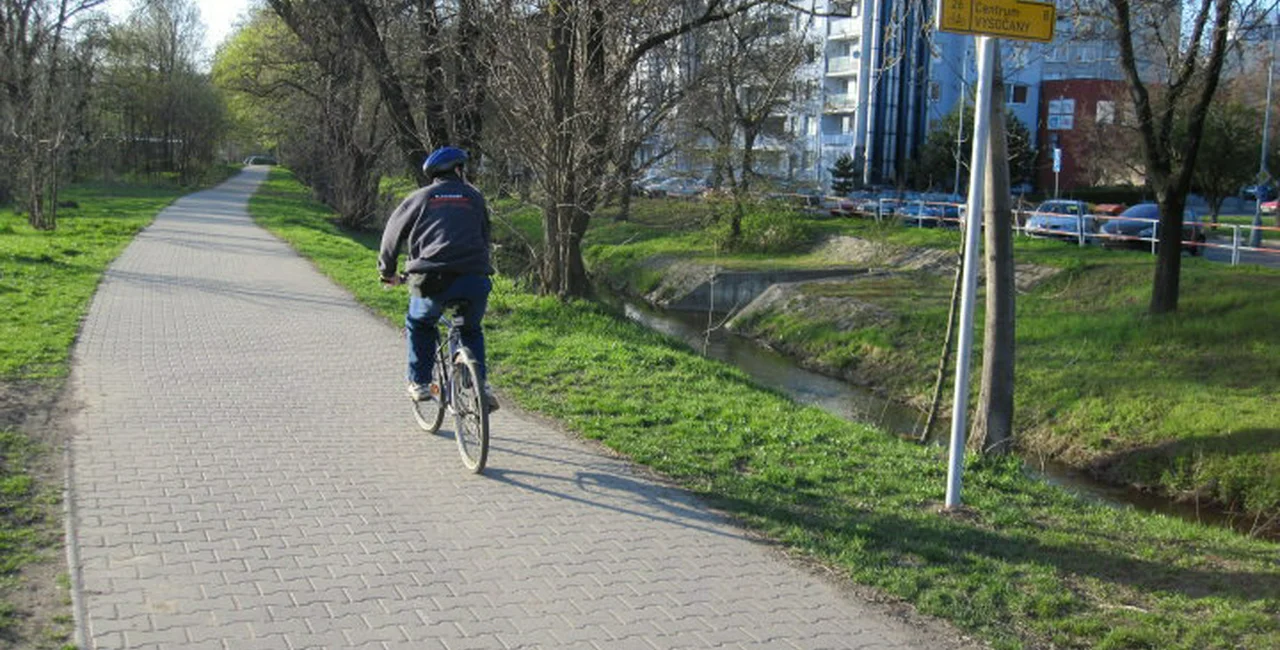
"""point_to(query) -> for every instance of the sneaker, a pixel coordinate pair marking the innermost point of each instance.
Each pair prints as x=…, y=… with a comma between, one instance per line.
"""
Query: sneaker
x=419, y=392
x=490, y=400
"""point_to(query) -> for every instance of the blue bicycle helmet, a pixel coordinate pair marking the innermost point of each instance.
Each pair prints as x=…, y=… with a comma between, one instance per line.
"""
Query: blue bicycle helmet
x=444, y=159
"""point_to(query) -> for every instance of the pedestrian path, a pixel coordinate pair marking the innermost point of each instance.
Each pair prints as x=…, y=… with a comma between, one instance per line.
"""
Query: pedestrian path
x=246, y=474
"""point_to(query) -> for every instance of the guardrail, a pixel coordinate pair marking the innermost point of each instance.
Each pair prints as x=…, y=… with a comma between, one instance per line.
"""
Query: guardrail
x=1198, y=243
x=1087, y=230
x=1236, y=248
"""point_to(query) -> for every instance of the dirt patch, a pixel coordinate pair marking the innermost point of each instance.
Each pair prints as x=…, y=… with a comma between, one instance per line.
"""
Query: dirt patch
x=679, y=278
x=41, y=599
x=848, y=313
x=845, y=251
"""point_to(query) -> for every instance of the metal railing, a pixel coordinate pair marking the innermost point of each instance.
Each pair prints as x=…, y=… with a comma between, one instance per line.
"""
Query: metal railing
x=1088, y=227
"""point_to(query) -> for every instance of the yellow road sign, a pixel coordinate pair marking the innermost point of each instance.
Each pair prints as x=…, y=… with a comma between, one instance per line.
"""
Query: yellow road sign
x=1017, y=19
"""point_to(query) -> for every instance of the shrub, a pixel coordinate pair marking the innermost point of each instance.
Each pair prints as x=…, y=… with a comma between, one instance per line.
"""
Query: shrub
x=767, y=227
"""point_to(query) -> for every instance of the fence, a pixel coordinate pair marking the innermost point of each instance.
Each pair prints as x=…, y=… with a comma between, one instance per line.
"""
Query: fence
x=1083, y=229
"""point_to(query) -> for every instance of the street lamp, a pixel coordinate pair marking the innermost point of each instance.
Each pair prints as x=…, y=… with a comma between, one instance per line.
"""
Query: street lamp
x=1255, y=234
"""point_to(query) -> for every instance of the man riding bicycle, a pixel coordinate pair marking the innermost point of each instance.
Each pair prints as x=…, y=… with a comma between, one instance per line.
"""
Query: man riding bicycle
x=447, y=226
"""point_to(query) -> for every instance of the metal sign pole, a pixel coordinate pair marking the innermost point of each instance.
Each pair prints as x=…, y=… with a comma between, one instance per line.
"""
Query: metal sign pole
x=1057, y=169
x=972, y=257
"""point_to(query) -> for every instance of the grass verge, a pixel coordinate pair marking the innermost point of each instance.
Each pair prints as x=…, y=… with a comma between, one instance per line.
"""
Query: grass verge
x=47, y=279
x=1184, y=405
x=1025, y=565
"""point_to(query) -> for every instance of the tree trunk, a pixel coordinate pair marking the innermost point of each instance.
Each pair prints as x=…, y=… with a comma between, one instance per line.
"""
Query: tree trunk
x=471, y=78
x=562, y=194
x=625, y=170
x=404, y=125
x=1165, y=287
x=992, y=430
x=743, y=185
x=434, y=83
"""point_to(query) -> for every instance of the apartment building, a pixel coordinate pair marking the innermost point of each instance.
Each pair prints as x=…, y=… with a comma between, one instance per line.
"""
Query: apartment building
x=883, y=79
x=889, y=79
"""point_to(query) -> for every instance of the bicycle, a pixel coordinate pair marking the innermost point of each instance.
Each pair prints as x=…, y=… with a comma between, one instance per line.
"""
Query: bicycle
x=456, y=388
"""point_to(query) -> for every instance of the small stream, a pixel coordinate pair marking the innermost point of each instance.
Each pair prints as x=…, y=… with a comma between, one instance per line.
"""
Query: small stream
x=857, y=404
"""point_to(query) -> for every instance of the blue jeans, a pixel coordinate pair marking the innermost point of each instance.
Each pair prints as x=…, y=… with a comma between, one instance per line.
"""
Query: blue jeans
x=424, y=313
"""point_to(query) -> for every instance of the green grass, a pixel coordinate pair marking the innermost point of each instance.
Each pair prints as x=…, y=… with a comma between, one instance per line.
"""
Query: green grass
x=47, y=279
x=1025, y=565
x=1185, y=404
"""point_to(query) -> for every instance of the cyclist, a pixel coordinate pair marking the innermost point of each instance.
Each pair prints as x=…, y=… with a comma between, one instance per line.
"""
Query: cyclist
x=447, y=226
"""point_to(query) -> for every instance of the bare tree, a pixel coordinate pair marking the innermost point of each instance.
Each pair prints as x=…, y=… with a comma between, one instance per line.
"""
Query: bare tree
x=36, y=98
x=750, y=63
x=1172, y=55
x=562, y=99
x=426, y=53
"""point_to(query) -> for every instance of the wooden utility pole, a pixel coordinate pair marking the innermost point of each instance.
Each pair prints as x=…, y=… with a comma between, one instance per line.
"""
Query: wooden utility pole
x=992, y=430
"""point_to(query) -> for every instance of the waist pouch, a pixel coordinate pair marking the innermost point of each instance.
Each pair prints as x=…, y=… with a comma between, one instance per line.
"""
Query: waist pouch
x=431, y=283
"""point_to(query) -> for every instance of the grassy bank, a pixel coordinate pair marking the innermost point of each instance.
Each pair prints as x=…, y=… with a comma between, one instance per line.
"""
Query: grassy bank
x=1185, y=405
x=47, y=280
x=1026, y=565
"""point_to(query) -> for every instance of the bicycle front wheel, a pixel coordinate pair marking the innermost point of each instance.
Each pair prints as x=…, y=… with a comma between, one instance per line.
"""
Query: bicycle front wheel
x=430, y=412
x=471, y=412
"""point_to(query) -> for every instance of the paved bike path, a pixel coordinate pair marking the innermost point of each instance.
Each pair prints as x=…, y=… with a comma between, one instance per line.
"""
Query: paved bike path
x=246, y=474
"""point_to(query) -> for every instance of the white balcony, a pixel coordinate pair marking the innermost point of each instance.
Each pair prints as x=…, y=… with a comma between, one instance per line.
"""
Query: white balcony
x=845, y=29
x=843, y=66
x=837, y=140
x=841, y=103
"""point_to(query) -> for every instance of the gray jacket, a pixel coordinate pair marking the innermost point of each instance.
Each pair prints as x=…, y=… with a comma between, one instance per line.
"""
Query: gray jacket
x=447, y=225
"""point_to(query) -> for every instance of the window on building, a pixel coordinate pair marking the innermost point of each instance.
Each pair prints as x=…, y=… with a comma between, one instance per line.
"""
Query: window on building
x=935, y=91
x=844, y=8
x=1015, y=94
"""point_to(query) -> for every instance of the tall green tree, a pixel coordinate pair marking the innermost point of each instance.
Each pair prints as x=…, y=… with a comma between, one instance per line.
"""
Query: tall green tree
x=319, y=101
x=1228, y=151
x=157, y=104
x=844, y=175
x=940, y=154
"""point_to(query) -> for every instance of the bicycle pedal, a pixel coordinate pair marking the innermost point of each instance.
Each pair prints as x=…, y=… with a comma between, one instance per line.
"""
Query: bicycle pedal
x=434, y=389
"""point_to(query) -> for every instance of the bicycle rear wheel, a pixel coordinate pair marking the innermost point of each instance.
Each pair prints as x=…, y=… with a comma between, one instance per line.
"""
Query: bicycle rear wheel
x=430, y=412
x=470, y=411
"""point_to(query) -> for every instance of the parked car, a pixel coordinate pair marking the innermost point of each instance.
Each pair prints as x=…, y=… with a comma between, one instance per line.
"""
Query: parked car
x=929, y=215
x=1136, y=227
x=1270, y=207
x=1062, y=219
x=682, y=187
x=852, y=207
x=651, y=185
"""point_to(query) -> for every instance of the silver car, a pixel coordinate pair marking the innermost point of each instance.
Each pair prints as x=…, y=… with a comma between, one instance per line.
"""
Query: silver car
x=1062, y=219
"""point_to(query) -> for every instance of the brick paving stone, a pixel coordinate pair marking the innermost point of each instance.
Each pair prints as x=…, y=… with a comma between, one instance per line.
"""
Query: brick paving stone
x=246, y=474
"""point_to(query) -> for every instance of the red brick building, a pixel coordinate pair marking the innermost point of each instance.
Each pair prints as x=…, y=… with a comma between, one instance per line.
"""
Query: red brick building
x=1071, y=112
